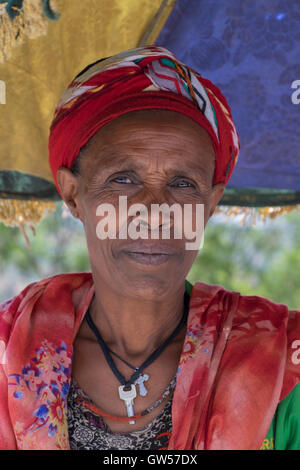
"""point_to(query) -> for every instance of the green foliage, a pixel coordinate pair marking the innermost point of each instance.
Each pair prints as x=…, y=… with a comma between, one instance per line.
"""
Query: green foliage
x=263, y=259
x=58, y=246
x=255, y=260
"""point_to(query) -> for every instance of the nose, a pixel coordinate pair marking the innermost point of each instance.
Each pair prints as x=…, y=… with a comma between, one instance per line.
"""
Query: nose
x=152, y=211
x=156, y=216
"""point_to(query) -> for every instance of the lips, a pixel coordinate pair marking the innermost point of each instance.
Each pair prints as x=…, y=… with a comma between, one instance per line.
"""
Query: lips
x=151, y=247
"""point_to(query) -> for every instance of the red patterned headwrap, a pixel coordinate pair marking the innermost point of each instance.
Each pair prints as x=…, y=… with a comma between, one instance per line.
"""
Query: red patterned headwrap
x=143, y=78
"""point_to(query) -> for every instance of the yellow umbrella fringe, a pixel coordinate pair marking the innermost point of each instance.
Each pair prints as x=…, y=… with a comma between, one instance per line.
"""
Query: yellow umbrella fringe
x=262, y=213
x=30, y=23
x=254, y=213
x=14, y=212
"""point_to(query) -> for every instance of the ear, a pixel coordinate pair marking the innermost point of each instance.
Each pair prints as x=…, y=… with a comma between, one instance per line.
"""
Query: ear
x=68, y=184
x=216, y=196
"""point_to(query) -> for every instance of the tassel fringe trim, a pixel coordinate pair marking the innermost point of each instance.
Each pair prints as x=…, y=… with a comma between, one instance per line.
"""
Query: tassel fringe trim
x=251, y=214
x=14, y=212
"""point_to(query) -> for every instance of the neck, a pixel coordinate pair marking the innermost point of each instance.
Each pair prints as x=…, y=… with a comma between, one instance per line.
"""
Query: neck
x=134, y=327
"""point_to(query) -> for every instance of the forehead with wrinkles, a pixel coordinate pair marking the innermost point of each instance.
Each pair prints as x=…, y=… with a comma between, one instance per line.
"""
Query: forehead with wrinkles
x=141, y=135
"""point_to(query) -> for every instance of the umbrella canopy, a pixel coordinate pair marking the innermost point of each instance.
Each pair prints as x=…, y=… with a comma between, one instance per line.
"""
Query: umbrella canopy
x=248, y=48
x=42, y=47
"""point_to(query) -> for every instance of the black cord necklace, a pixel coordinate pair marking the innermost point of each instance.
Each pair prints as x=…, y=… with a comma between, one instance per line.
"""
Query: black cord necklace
x=136, y=377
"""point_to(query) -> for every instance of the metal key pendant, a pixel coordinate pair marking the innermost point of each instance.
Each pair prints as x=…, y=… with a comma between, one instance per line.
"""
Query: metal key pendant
x=128, y=396
x=140, y=381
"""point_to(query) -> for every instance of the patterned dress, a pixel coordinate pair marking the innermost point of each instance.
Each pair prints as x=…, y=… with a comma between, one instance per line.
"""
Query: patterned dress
x=88, y=431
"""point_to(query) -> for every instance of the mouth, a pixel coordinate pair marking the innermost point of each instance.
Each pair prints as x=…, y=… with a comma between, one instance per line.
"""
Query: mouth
x=149, y=253
x=144, y=258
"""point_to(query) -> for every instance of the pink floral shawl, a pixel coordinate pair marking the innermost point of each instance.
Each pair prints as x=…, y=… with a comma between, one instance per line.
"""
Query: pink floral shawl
x=240, y=358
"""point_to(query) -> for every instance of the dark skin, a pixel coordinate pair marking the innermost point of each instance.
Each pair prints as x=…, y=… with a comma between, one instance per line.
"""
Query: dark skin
x=150, y=156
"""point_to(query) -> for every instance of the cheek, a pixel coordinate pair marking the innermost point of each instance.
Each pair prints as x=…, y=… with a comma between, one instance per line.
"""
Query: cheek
x=99, y=246
x=193, y=229
x=91, y=222
x=101, y=218
x=195, y=213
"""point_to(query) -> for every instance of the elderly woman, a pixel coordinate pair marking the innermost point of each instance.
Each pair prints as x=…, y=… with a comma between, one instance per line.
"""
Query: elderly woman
x=131, y=355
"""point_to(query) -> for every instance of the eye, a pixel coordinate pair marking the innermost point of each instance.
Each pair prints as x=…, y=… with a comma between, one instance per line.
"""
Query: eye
x=183, y=184
x=122, y=178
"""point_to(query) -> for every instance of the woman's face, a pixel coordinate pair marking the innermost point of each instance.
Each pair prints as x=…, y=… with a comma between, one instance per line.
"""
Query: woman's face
x=148, y=157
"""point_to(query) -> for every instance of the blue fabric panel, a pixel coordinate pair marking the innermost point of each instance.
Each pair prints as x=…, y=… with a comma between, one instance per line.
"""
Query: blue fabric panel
x=250, y=50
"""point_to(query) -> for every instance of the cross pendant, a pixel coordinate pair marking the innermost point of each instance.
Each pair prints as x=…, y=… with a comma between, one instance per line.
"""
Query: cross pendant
x=140, y=381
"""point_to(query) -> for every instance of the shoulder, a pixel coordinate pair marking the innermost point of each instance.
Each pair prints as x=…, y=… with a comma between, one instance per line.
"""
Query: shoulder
x=273, y=318
x=49, y=287
x=269, y=314
x=265, y=307
x=266, y=319
x=264, y=316
x=261, y=319
x=56, y=279
x=250, y=307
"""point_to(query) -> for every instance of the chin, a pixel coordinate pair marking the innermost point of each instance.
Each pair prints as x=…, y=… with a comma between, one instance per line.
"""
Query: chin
x=148, y=286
